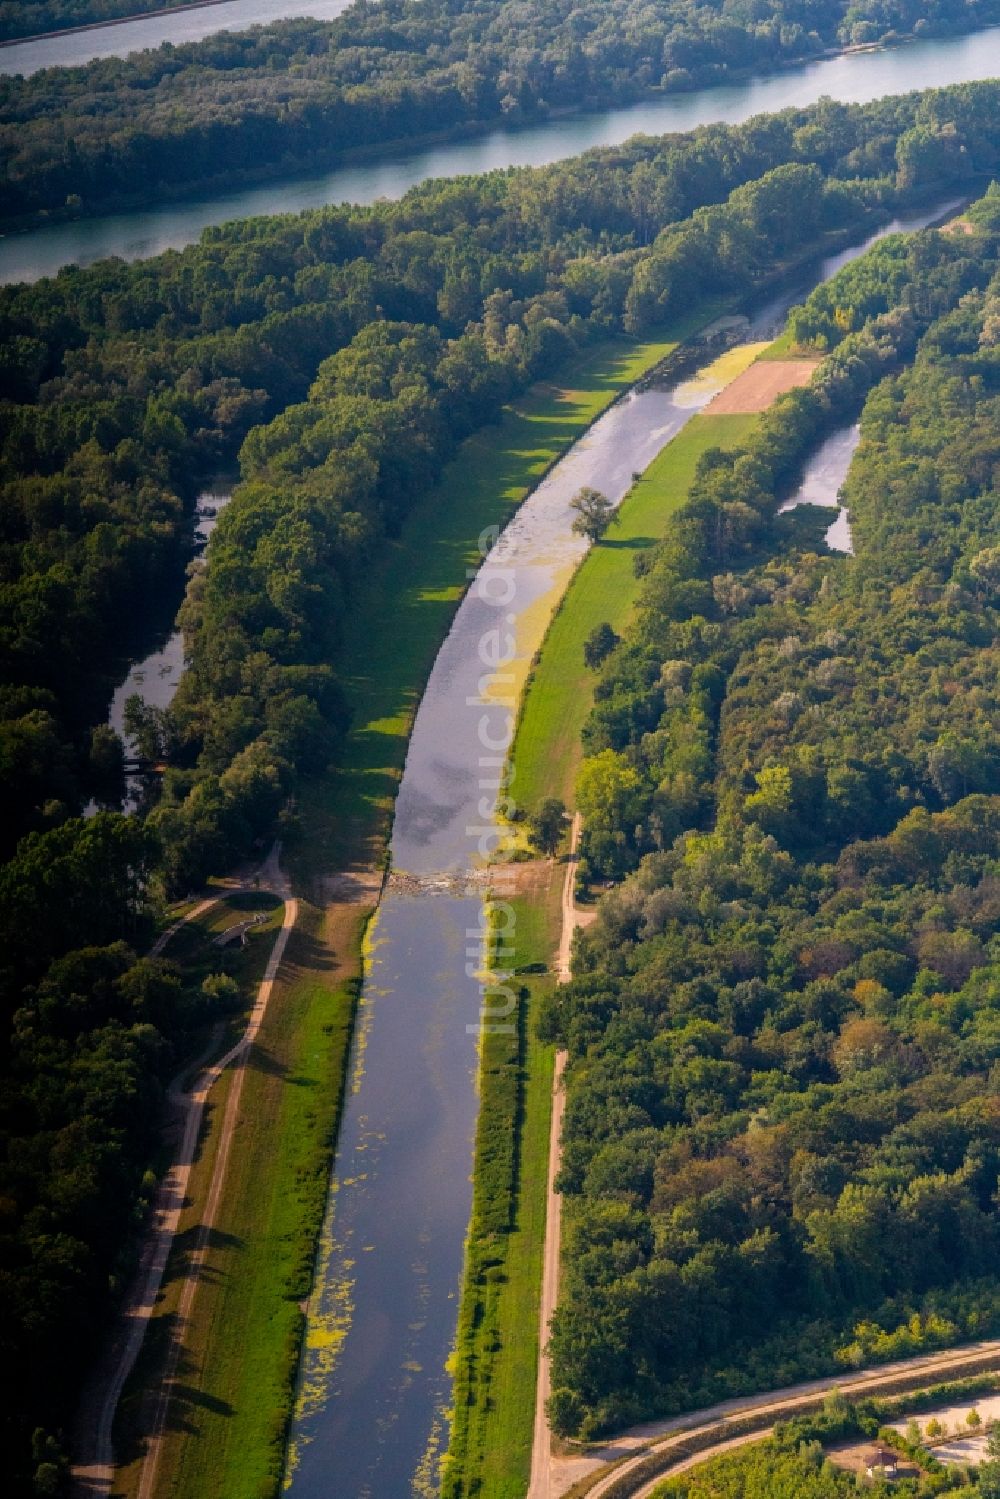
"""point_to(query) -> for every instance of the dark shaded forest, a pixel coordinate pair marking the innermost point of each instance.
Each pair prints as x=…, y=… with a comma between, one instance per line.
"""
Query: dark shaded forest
x=20, y=18
x=781, y=1142
x=311, y=343
x=297, y=94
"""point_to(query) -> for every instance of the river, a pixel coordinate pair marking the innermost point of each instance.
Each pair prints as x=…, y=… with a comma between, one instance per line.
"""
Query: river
x=821, y=483
x=75, y=47
x=374, y=1387
x=854, y=77
x=155, y=676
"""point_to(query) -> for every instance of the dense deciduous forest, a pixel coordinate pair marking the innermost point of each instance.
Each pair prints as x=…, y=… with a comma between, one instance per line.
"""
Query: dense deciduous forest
x=781, y=1144
x=34, y=17
x=299, y=93
x=311, y=341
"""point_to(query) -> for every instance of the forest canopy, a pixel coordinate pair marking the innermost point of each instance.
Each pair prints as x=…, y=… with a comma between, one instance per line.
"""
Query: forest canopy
x=306, y=345
x=781, y=1146
x=301, y=92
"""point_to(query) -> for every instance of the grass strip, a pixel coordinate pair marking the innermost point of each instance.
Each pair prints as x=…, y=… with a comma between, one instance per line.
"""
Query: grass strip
x=414, y=589
x=232, y=1402
x=496, y=1355
x=559, y=695
x=227, y=1426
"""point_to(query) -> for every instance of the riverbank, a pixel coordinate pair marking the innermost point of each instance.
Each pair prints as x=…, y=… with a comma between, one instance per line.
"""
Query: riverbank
x=481, y=145
x=231, y=1364
x=496, y=1361
x=246, y=1322
x=138, y=15
x=396, y=633
x=492, y=1425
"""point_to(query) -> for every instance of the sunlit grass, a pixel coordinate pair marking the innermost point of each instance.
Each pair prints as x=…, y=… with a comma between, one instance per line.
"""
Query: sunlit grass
x=604, y=588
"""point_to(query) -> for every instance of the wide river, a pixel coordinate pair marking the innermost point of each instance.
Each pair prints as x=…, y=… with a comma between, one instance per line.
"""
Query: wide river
x=374, y=1386
x=137, y=35
x=854, y=78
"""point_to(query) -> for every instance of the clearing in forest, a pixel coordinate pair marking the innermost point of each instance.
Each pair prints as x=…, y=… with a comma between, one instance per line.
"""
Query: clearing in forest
x=761, y=385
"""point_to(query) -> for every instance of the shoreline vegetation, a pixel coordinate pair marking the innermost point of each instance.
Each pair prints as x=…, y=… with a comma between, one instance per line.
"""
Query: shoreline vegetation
x=490, y=1433
x=55, y=125
x=497, y=1344
x=315, y=342
x=842, y=910
x=349, y=816
x=169, y=7
x=256, y=1306
x=246, y=177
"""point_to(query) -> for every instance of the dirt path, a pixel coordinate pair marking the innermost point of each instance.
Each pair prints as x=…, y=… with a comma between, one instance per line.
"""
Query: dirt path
x=541, y=1451
x=94, y=1473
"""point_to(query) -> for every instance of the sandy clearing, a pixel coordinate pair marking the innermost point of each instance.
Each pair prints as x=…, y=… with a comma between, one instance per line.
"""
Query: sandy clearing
x=760, y=386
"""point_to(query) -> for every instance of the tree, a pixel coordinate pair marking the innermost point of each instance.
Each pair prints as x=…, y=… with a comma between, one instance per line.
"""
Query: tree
x=565, y=1412
x=988, y=1481
x=594, y=513
x=599, y=644
x=545, y=828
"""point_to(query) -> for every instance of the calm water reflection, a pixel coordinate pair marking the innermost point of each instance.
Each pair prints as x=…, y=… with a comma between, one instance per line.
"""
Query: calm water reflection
x=374, y=1386
x=821, y=483
x=854, y=78
x=151, y=31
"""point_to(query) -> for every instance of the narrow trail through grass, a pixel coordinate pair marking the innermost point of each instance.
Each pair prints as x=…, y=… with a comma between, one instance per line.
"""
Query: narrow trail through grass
x=226, y=1428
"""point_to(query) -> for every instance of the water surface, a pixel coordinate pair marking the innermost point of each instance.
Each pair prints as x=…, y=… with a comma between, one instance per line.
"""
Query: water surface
x=822, y=480
x=155, y=676
x=153, y=30
x=374, y=1388
x=853, y=78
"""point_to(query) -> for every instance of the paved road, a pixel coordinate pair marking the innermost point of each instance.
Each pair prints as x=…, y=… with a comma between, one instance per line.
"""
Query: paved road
x=636, y=1445
x=94, y=1473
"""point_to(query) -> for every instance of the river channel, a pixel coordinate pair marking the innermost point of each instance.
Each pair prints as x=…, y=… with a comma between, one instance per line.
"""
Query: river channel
x=821, y=482
x=374, y=1386
x=853, y=78
x=71, y=48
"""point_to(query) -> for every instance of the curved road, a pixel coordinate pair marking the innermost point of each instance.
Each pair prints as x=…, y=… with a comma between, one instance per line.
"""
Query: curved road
x=770, y=1407
x=94, y=1473
x=551, y=1475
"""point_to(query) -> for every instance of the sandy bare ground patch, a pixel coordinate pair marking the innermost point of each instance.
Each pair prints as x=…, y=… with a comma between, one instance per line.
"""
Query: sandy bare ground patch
x=854, y=1457
x=760, y=386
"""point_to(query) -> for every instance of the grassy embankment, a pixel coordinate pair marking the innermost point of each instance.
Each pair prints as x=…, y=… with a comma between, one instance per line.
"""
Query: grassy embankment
x=410, y=600
x=497, y=1349
x=547, y=749
x=227, y=1425
x=234, y=1377
x=497, y=1342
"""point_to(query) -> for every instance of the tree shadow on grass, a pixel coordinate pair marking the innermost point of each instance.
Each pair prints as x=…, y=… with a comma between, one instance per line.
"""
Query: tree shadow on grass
x=137, y=1413
x=306, y=955
x=627, y=543
x=262, y=1060
x=187, y=1243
